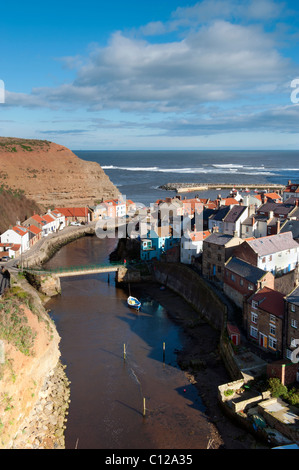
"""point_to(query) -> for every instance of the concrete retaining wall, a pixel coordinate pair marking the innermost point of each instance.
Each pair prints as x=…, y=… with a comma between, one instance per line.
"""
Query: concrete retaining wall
x=193, y=289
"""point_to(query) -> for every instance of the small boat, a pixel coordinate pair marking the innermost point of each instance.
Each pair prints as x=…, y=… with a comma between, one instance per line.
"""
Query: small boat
x=247, y=190
x=133, y=302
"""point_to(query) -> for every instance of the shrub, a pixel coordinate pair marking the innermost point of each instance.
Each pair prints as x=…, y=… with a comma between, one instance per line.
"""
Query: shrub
x=277, y=388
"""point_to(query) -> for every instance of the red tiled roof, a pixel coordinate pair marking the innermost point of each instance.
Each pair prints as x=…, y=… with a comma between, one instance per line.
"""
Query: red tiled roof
x=20, y=230
x=15, y=247
x=73, y=211
x=270, y=301
x=48, y=218
x=37, y=218
x=34, y=229
x=292, y=188
x=199, y=236
x=230, y=201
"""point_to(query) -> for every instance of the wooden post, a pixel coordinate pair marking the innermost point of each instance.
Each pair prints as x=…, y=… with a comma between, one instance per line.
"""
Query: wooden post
x=124, y=351
x=144, y=407
x=164, y=352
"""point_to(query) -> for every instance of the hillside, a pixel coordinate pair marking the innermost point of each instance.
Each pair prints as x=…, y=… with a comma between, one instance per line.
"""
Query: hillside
x=52, y=175
x=14, y=207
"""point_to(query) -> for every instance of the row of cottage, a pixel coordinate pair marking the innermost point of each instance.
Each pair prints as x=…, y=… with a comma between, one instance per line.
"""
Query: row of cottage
x=17, y=239
x=248, y=246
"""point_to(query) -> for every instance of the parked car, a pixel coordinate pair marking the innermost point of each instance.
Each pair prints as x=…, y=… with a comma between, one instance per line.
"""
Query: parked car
x=5, y=258
x=75, y=223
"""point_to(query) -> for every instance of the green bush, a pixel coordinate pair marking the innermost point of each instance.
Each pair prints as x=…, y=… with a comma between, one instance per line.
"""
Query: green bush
x=277, y=389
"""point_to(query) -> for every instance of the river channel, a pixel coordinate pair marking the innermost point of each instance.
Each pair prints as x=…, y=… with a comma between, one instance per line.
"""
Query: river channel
x=109, y=390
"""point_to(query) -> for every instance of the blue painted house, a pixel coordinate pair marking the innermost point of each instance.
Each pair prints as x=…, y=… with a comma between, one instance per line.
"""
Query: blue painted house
x=157, y=242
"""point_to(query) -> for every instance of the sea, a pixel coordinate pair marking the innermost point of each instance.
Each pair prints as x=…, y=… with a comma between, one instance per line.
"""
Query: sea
x=139, y=174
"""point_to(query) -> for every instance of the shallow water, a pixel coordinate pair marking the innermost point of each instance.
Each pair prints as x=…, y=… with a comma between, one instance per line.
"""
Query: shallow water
x=108, y=390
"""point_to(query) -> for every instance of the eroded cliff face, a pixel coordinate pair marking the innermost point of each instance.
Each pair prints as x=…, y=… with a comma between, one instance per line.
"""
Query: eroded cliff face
x=34, y=391
x=52, y=175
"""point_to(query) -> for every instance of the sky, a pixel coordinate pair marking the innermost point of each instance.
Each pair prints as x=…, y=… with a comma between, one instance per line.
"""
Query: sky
x=159, y=74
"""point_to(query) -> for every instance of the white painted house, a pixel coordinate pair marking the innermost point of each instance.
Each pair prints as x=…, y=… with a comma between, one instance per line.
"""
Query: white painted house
x=59, y=219
x=17, y=235
x=191, y=245
x=276, y=253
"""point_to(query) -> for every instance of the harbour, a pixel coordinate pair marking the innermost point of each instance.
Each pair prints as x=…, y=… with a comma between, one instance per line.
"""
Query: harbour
x=191, y=187
x=138, y=400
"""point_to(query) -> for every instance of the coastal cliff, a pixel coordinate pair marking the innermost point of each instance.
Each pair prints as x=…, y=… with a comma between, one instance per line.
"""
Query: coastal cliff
x=52, y=175
x=34, y=389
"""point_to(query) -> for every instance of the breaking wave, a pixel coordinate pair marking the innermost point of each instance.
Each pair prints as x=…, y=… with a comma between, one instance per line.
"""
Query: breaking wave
x=214, y=169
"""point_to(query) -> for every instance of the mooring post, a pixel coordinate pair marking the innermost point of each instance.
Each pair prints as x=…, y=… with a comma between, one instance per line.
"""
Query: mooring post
x=144, y=407
x=164, y=353
x=124, y=351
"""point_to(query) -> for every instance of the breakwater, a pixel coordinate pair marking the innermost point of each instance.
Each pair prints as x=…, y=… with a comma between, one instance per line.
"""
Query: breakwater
x=190, y=187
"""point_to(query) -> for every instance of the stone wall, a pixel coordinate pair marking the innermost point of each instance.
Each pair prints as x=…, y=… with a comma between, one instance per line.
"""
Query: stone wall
x=193, y=289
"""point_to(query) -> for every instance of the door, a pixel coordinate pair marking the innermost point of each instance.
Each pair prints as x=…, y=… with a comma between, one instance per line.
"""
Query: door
x=263, y=340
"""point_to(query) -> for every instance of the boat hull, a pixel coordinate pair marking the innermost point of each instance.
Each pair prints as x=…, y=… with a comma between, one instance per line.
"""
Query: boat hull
x=133, y=303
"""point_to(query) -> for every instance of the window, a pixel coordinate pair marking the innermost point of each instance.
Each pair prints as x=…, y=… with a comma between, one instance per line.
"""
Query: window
x=254, y=317
x=272, y=343
x=254, y=304
x=293, y=309
x=253, y=332
x=272, y=330
x=241, y=282
x=272, y=318
x=233, y=277
x=294, y=323
x=288, y=354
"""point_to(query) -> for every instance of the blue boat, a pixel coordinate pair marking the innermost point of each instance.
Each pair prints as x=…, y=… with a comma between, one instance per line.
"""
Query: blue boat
x=133, y=303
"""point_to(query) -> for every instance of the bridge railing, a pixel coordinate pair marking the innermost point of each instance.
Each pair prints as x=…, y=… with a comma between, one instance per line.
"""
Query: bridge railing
x=71, y=269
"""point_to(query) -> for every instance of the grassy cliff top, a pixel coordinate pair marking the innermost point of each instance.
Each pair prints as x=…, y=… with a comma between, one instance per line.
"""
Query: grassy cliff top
x=13, y=144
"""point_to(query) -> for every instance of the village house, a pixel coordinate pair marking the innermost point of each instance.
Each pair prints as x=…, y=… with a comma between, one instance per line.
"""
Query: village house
x=35, y=234
x=191, y=206
x=260, y=226
x=49, y=226
x=191, y=245
x=263, y=318
x=269, y=197
x=216, y=219
x=280, y=210
x=35, y=220
x=276, y=253
x=228, y=219
x=291, y=191
x=217, y=249
x=131, y=206
x=157, y=242
x=10, y=249
x=291, y=340
x=59, y=219
x=228, y=201
x=17, y=235
x=75, y=214
x=291, y=226
x=241, y=280
x=98, y=212
x=233, y=220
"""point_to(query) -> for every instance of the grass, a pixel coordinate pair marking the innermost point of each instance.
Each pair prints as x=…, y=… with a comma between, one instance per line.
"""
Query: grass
x=14, y=326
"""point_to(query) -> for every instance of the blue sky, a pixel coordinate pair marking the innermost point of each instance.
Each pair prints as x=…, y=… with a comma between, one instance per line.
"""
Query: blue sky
x=159, y=74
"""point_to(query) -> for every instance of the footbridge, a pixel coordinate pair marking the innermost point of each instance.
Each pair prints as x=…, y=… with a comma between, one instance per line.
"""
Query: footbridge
x=76, y=270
